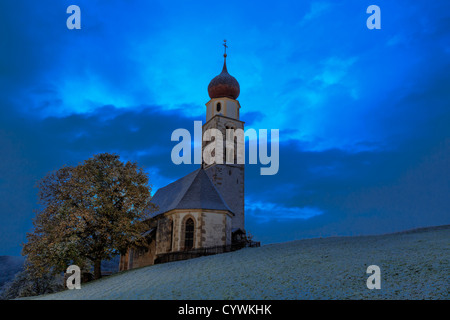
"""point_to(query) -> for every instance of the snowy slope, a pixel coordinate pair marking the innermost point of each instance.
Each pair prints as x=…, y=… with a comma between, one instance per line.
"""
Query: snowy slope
x=414, y=265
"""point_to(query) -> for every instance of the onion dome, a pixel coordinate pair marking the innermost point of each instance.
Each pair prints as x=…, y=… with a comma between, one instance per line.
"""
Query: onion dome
x=224, y=85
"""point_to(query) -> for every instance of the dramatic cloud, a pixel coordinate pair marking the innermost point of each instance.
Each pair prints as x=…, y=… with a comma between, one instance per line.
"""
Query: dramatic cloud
x=363, y=114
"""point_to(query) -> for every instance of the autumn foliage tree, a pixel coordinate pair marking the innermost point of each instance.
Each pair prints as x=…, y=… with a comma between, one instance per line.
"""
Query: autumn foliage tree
x=89, y=213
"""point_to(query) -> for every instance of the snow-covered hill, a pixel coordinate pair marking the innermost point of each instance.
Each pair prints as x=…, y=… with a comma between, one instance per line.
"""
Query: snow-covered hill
x=414, y=265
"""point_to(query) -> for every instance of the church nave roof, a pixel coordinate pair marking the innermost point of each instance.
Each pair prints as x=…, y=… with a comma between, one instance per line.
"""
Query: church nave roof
x=193, y=191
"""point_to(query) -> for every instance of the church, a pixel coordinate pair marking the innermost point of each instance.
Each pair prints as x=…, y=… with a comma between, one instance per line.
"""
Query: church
x=203, y=212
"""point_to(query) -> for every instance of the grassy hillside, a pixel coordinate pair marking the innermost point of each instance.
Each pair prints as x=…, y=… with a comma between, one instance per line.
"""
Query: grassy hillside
x=414, y=265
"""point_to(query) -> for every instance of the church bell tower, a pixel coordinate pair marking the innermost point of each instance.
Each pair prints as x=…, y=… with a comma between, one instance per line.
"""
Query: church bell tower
x=222, y=113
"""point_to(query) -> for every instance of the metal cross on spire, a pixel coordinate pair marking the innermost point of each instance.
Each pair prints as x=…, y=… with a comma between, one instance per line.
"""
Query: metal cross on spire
x=225, y=46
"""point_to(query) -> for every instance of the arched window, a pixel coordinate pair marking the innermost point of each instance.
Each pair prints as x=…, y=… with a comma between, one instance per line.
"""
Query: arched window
x=189, y=234
x=218, y=106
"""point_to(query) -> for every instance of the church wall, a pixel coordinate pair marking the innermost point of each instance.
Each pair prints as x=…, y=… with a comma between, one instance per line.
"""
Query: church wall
x=214, y=230
x=123, y=263
x=164, y=235
x=137, y=257
x=228, y=224
x=228, y=178
x=209, y=112
x=229, y=108
x=142, y=256
x=179, y=229
x=210, y=229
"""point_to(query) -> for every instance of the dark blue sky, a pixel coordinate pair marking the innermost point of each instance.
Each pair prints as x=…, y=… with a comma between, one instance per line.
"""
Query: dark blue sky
x=364, y=115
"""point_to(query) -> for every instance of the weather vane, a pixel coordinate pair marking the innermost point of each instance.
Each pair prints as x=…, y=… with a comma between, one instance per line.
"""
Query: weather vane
x=225, y=46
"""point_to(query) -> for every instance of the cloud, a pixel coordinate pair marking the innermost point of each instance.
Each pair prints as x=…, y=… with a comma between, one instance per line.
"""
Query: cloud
x=264, y=212
x=31, y=147
x=333, y=70
x=317, y=8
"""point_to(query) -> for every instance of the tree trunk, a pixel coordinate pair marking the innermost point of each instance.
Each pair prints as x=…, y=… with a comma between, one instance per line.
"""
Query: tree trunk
x=97, y=269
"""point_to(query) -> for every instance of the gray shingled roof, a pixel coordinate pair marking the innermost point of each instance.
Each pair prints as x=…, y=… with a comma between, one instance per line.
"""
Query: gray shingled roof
x=193, y=191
